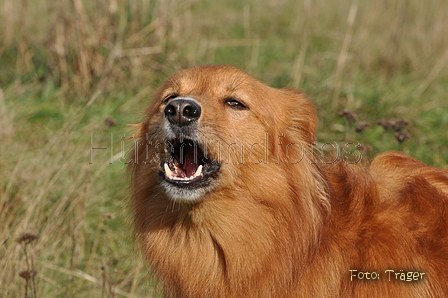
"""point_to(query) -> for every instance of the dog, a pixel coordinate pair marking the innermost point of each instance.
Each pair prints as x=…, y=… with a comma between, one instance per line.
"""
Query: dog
x=231, y=200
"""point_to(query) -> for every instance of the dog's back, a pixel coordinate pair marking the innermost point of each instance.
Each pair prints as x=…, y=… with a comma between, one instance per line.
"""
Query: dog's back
x=388, y=229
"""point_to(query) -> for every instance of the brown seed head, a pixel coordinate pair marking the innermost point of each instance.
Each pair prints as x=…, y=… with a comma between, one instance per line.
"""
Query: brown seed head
x=108, y=215
x=400, y=124
x=401, y=136
x=361, y=126
x=26, y=237
x=109, y=121
x=27, y=274
x=349, y=114
x=365, y=148
x=386, y=124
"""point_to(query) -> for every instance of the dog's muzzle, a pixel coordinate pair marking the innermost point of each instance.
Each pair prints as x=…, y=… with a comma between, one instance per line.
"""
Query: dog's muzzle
x=187, y=172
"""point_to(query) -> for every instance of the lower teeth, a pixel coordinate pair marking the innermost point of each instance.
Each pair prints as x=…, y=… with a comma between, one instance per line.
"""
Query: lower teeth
x=170, y=174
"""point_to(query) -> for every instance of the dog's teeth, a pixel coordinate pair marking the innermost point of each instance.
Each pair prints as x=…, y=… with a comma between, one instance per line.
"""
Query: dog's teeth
x=198, y=171
x=168, y=171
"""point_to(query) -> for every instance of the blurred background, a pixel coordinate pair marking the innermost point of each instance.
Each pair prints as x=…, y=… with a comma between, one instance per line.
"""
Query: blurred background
x=75, y=73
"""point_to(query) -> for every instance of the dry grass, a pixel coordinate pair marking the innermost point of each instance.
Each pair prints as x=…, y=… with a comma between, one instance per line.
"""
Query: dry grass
x=90, y=46
x=49, y=188
x=69, y=65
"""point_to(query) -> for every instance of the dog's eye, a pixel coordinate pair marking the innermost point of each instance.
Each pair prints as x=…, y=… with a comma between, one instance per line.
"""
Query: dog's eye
x=169, y=97
x=235, y=104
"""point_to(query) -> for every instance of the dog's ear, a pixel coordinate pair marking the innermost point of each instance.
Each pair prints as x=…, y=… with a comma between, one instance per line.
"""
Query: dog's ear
x=301, y=116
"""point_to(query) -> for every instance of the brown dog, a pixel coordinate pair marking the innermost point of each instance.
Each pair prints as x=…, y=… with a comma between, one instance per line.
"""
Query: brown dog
x=231, y=201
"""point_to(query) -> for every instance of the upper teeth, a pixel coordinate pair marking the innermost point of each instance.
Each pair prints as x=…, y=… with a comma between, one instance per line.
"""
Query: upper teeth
x=168, y=171
x=170, y=174
x=198, y=171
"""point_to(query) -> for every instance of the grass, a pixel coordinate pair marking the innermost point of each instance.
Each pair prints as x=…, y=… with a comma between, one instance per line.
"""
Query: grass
x=68, y=66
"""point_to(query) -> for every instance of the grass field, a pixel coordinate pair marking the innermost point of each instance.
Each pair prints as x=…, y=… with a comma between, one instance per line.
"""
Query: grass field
x=74, y=74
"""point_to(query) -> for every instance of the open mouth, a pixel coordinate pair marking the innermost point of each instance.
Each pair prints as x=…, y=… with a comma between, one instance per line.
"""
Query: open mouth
x=187, y=164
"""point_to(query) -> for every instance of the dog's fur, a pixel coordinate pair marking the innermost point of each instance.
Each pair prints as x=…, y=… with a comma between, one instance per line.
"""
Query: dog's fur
x=273, y=220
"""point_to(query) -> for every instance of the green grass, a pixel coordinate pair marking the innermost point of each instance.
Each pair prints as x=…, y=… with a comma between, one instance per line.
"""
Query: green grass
x=66, y=68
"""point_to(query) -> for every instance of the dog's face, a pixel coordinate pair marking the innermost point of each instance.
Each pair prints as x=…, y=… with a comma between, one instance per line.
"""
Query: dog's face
x=214, y=121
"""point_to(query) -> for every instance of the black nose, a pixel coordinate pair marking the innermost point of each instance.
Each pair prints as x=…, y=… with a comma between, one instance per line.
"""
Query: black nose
x=182, y=111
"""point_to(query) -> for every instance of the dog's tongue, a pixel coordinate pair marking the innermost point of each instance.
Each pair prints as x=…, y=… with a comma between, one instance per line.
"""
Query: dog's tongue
x=190, y=164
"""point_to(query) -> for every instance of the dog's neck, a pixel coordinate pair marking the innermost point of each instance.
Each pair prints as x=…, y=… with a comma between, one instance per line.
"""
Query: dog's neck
x=216, y=237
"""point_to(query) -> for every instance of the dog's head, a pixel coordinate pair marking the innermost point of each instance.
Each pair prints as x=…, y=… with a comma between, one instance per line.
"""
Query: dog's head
x=208, y=123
